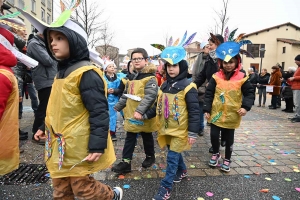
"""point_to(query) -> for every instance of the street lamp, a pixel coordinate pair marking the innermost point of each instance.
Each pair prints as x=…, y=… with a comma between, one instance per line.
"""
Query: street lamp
x=261, y=55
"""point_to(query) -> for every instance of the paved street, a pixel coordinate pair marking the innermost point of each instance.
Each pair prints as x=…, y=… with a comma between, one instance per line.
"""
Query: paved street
x=267, y=145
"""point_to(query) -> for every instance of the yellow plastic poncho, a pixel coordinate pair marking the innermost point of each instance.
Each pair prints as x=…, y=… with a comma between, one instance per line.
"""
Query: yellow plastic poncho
x=136, y=87
x=171, y=131
x=9, y=129
x=68, y=128
x=227, y=101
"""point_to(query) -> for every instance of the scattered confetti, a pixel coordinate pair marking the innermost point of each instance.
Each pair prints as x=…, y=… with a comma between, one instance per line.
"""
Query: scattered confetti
x=47, y=175
x=296, y=170
x=257, y=173
x=137, y=178
x=148, y=176
x=126, y=186
x=287, y=179
x=192, y=166
x=246, y=176
x=200, y=198
x=298, y=189
x=275, y=197
x=226, y=199
x=163, y=170
x=295, y=167
x=258, y=165
x=210, y=194
x=121, y=177
x=264, y=190
x=269, y=179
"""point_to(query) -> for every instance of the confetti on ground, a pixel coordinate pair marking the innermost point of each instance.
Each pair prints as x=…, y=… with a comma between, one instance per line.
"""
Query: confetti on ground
x=121, y=177
x=226, y=199
x=258, y=165
x=257, y=173
x=264, y=190
x=148, y=176
x=126, y=186
x=210, y=194
x=275, y=197
x=269, y=179
x=298, y=189
x=246, y=176
x=192, y=166
x=296, y=170
x=163, y=170
x=47, y=175
x=200, y=198
x=137, y=178
x=287, y=179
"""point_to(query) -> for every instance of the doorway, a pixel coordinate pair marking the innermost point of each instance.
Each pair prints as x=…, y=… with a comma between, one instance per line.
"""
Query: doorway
x=256, y=65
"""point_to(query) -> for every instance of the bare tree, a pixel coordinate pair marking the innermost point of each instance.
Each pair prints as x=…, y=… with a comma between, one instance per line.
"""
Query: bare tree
x=221, y=20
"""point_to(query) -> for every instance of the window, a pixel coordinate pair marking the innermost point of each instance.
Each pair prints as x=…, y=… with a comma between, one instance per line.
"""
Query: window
x=21, y=4
x=254, y=49
x=33, y=6
x=49, y=4
x=44, y=2
x=283, y=49
x=48, y=18
x=282, y=65
x=11, y=2
x=42, y=14
x=32, y=29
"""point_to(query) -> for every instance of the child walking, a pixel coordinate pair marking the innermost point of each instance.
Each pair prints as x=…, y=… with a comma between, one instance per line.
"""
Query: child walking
x=228, y=97
x=77, y=119
x=139, y=96
x=113, y=83
x=178, y=119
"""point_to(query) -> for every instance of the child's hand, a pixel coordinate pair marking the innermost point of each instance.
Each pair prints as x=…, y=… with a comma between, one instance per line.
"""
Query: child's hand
x=20, y=99
x=110, y=91
x=93, y=157
x=242, y=111
x=191, y=141
x=137, y=116
x=207, y=115
x=39, y=135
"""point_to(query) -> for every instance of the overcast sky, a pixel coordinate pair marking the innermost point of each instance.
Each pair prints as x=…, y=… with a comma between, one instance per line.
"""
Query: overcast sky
x=140, y=23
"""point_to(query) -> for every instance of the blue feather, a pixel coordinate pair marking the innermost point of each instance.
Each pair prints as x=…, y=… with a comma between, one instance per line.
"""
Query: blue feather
x=189, y=40
x=183, y=39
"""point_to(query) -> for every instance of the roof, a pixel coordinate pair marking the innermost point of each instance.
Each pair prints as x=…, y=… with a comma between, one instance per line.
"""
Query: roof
x=273, y=27
x=290, y=41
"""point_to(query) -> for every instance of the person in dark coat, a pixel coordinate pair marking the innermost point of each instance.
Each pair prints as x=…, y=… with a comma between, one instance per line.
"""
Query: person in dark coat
x=276, y=83
x=253, y=78
x=262, y=80
x=287, y=92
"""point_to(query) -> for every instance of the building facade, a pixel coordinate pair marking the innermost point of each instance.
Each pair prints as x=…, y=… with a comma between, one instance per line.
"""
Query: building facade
x=281, y=44
x=192, y=51
x=111, y=51
x=41, y=9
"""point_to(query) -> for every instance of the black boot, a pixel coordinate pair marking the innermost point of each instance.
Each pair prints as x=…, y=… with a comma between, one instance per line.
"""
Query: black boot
x=23, y=135
x=149, y=160
x=122, y=167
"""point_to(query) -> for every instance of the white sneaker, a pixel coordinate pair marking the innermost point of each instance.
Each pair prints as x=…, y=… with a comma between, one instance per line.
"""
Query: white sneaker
x=118, y=193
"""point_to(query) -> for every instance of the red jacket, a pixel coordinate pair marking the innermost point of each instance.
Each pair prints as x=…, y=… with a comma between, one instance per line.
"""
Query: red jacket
x=7, y=61
x=275, y=80
x=296, y=82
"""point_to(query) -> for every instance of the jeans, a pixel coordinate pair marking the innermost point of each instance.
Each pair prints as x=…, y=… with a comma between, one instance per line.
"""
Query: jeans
x=40, y=114
x=274, y=100
x=130, y=144
x=201, y=116
x=227, y=135
x=174, y=163
x=262, y=92
x=296, y=98
x=33, y=98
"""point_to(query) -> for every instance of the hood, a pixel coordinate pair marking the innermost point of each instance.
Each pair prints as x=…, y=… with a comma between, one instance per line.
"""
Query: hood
x=77, y=45
x=7, y=58
x=149, y=69
x=183, y=72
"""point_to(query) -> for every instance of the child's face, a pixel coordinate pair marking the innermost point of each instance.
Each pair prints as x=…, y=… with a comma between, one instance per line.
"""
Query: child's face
x=138, y=61
x=230, y=65
x=110, y=69
x=173, y=70
x=59, y=45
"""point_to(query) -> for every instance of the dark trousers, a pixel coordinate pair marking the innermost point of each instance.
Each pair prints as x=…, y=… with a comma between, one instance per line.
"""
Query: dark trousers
x=262, y=93
x=227, y=135
x=289, y=104
x=130, y=143
x=43, y=95
x=274, y=100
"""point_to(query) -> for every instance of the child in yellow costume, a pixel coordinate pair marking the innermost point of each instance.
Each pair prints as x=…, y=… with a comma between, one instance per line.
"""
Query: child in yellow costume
x=228, y=97
x=77, y=119
x=177, y=114
x=139, y=95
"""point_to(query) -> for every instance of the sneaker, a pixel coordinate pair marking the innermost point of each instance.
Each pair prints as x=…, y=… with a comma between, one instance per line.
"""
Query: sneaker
x=214, y=160
x=163, y=194
x=211, y=150
x=179, y=176
x=122, y=167
x=295, y=120
x=226, y=165
x=114, y=137
x=118, y=193
x=149, y=160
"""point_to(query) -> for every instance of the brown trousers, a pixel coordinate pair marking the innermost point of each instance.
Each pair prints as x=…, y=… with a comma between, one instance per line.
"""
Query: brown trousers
x=84, y=188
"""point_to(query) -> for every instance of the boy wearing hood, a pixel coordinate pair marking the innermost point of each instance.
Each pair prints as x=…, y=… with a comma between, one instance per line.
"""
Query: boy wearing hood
x=177, y=114
x=77, y=119
x=139, y=95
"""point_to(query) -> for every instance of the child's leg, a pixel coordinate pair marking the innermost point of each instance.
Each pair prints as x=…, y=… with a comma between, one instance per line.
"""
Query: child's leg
x=181, y=164
x=214, y=137
x=62, y=189
x=88, y=188
x=129, y=145
x=229, y=142
x=148, y=143
x=172, y=166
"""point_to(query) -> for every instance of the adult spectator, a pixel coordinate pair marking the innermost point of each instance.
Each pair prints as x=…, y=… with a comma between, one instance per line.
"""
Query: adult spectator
x=295, y=83
x=262, y=80
x=253, y=79
x=198, y=67
x=287, y=92
x=276, y=83
x=42, y=76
